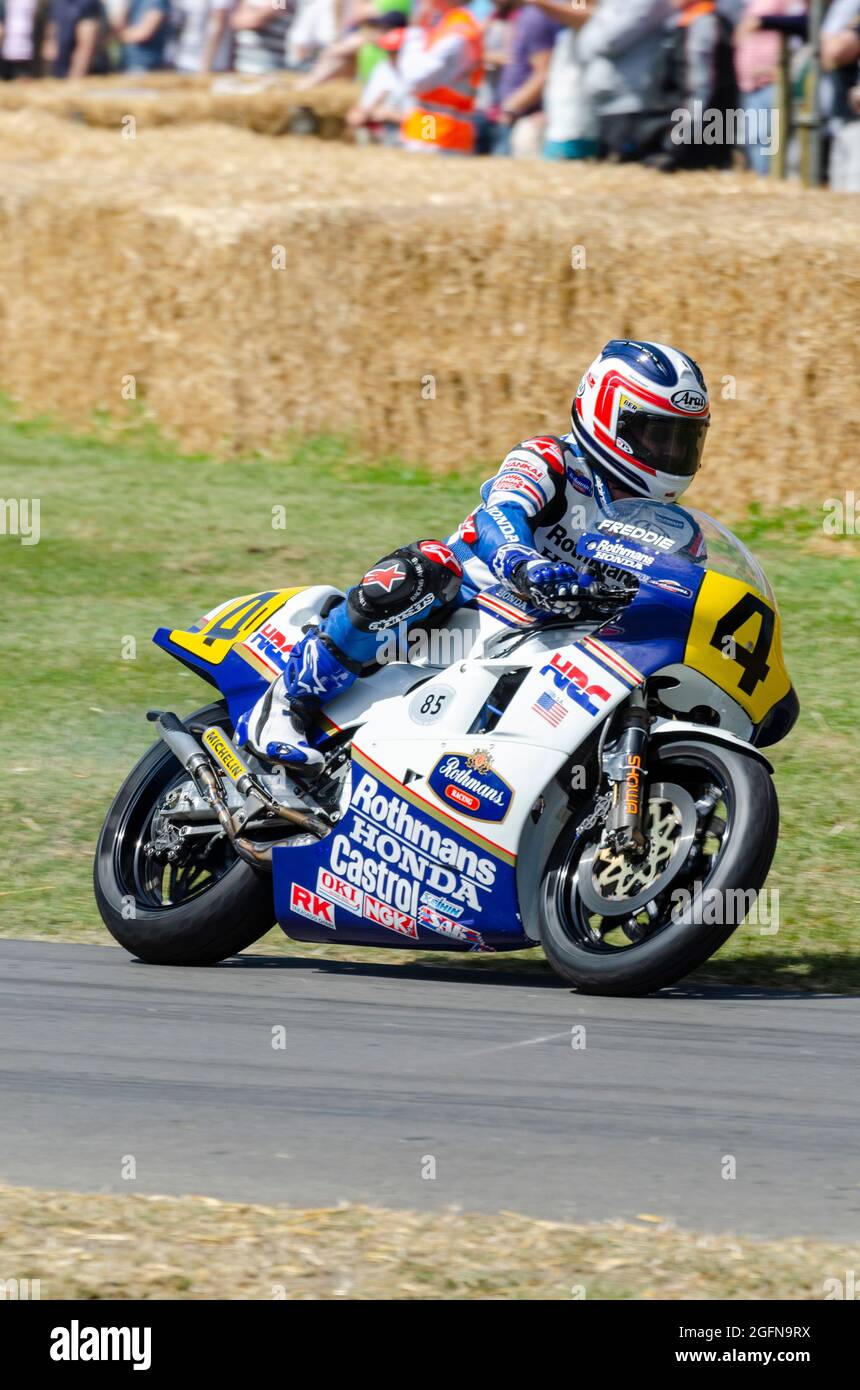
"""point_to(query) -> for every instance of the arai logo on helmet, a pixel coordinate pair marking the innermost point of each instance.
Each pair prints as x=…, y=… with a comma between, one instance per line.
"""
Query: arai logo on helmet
x=692, y=401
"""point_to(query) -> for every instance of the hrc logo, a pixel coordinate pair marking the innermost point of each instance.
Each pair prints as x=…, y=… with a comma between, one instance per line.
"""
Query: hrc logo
x=575, y=684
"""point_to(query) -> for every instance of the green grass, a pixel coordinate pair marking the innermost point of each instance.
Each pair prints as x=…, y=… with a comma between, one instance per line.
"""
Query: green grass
x=133, y=536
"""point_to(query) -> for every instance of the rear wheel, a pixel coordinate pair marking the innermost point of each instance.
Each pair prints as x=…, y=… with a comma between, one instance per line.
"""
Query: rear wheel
x=199, y=908
x=612, y=926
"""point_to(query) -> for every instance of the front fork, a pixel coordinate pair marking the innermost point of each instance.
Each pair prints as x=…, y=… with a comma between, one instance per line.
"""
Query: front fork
x=626, y=768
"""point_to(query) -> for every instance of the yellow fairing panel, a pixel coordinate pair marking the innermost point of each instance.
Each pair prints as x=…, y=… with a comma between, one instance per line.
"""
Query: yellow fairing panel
x=735, y=639
x=235, y=622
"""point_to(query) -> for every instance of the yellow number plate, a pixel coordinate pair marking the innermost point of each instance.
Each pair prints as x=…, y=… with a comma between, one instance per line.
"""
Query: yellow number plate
x=735, y=639
x=235, y=622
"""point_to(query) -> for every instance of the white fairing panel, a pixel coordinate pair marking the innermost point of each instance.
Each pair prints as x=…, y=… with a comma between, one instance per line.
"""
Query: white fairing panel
x=694, y=689
x=490, y=782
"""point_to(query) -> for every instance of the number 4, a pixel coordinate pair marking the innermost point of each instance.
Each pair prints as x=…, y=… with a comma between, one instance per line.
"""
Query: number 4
x=754, y=663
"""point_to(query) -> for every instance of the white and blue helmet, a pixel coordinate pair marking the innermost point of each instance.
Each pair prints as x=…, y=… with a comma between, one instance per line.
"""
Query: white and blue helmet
x=642, y=414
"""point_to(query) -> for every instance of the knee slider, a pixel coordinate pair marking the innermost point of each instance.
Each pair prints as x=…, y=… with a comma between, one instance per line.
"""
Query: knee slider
x=405, y=585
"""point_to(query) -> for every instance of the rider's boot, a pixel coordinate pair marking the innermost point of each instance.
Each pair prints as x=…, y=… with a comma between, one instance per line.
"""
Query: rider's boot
x=276, y=727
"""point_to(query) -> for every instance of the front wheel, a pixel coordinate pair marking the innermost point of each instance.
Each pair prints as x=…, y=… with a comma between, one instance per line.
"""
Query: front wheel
x=203, y=907
x=614, y=926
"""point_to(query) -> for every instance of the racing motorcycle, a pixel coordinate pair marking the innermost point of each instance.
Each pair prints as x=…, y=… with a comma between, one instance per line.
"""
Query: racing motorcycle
x=591, y=781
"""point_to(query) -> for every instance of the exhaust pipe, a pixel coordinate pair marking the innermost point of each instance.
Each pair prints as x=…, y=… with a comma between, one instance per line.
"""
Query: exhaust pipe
x=197, y=764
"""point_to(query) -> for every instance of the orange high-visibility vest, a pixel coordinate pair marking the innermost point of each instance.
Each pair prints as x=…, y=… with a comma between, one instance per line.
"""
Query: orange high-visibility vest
x=695, y=12
x=442, y=119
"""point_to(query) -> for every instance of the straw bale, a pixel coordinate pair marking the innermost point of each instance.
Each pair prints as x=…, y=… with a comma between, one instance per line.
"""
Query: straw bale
x=153, y=258
x=269, y=104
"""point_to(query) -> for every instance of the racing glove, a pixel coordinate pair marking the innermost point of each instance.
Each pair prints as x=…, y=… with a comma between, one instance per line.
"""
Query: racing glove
x=545, y=583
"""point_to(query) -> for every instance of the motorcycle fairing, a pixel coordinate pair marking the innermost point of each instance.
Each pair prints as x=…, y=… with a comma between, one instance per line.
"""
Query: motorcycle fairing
x=241, y=646
x=718, y=625
x=735, y=639
x=398, y=871
x=565, y=696
x=457, y=796
x=508, y=607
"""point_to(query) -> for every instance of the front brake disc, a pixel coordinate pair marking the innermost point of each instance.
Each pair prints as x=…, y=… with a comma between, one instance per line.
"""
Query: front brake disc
x=615, y=885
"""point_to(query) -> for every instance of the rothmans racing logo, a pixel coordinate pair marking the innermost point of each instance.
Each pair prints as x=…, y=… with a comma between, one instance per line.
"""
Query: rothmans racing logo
x=467, y=783
x=616, y=554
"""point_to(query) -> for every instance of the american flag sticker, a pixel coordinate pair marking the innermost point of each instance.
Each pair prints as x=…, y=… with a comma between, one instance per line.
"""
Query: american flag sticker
x=553, y=711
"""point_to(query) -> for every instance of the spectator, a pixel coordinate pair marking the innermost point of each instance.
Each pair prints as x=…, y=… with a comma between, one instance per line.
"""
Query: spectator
x=384, y=101
x=356, y=52
x=261, y=30
x=520, y=120
x=19, y=47
x=339, y=58
x=76, y=38
x=621, y=45
x=840, y=96
x=313, y=30
x=142, y=30
x=571, y=125
x=383, y=17
x=698, y=84
x=757, y=54
x=497, y=52
x=204, y=39
x=440, y=64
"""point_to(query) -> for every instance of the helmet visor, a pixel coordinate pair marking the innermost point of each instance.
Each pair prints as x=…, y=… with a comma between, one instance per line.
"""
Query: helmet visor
x=669, y=444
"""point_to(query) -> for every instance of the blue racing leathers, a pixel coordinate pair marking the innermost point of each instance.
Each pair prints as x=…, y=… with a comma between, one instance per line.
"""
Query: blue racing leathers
x=543, y=497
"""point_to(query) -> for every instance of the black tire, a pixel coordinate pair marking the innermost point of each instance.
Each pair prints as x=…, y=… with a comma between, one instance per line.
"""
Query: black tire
x=676, y=947
x=225, y=917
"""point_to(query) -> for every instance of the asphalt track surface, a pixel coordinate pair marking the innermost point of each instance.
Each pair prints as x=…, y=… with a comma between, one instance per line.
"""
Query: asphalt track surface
x=385, y=1068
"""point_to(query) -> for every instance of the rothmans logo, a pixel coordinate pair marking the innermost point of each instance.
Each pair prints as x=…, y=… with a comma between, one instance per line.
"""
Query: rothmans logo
x=467, y=782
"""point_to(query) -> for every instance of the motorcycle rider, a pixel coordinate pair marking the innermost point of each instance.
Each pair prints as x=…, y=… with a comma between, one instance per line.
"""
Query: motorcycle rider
x=638, y=428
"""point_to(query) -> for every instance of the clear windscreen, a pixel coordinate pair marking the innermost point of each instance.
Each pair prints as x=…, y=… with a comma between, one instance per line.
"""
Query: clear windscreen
x=727, y=555
x=665, y=529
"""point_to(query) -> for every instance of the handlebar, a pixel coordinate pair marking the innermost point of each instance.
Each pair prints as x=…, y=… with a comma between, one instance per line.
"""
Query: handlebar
x=618, y=587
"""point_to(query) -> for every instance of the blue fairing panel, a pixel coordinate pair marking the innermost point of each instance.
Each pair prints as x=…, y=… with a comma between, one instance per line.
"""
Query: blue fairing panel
x=238, y=682
x=397, y=872
x=652, y=631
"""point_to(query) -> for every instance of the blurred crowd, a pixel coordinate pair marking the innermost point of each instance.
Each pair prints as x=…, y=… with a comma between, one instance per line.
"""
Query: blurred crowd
x=673, y=83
